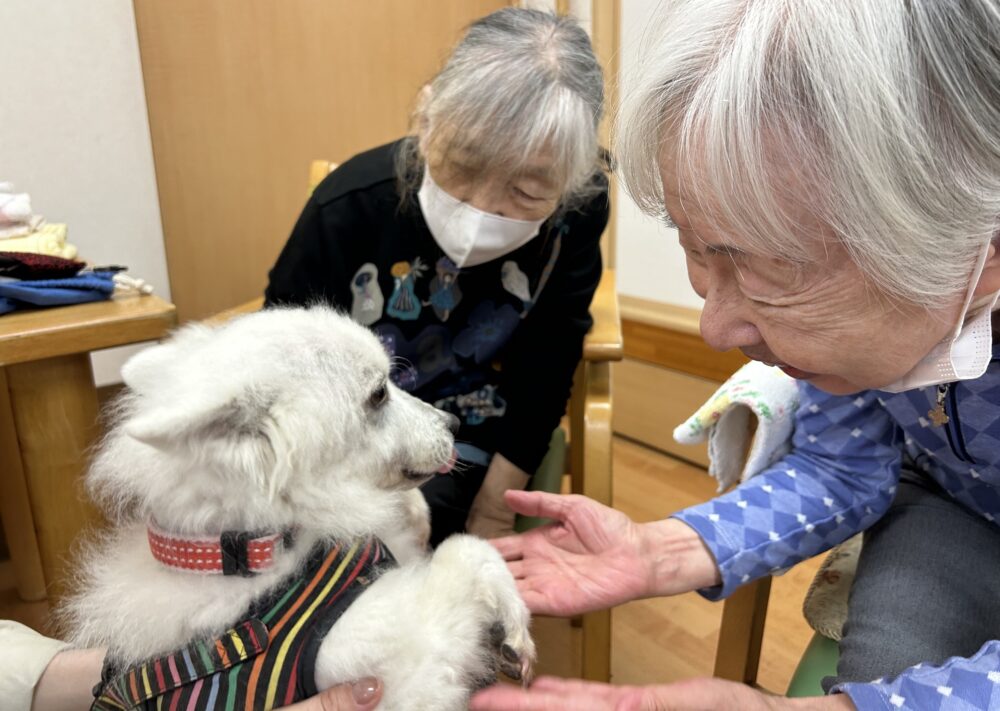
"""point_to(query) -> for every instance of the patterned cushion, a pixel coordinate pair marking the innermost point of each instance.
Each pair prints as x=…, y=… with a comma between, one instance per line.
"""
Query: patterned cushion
x=825, y=606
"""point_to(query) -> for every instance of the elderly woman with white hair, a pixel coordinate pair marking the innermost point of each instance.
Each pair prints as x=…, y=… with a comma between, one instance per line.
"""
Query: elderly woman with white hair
x=471, y=248
x=833, y=170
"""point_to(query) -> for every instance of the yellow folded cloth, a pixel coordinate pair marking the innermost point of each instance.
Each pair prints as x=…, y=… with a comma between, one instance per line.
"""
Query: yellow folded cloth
x=48, y=239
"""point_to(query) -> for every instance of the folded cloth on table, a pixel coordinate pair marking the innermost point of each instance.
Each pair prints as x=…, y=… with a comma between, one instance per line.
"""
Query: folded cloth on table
x=80, y=289
x=32, y=267
x=758, y=390
x=125, y=284
x=16, y=217
x=15, y=208
x=48, y=239
x=22, y=229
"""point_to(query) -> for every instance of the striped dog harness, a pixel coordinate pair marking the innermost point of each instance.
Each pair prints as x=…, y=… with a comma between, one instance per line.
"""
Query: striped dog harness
x=268, y=660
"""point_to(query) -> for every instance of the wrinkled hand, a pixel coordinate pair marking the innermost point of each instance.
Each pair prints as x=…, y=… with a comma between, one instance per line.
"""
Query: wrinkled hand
x=362, y=695
x=551, y=694
x=490, y=517
x=589, y=559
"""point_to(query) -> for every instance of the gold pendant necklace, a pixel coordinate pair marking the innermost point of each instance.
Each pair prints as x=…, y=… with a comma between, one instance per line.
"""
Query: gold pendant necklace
x=937, y=414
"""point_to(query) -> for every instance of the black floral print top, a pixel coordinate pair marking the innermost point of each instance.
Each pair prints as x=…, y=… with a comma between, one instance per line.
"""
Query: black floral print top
x=496, y=344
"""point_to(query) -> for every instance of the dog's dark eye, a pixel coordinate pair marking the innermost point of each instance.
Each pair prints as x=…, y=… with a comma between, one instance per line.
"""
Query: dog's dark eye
x=379, y=396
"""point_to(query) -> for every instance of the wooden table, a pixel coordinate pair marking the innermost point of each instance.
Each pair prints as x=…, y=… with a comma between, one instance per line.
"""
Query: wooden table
x=48, y=422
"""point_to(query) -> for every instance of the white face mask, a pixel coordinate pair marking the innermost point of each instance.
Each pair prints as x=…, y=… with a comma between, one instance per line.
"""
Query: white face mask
x=467, y=235
x=966, y=352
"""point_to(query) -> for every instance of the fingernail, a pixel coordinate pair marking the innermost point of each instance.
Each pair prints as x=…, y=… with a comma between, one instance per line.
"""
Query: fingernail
x=364, y=690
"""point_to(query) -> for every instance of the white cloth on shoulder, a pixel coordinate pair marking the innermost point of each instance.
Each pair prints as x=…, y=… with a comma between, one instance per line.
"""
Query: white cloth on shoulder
x=755, y=390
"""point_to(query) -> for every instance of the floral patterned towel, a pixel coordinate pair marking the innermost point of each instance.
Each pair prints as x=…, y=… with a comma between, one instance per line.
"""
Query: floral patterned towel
x=755, y=390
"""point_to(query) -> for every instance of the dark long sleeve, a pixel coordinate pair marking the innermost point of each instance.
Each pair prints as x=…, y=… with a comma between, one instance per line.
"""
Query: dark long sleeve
x=311, y=266
x=538, y=366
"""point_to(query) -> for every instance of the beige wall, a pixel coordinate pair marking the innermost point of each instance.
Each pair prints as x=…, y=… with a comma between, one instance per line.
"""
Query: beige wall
x=74, y=133
x=243, y=94
x=650, y=262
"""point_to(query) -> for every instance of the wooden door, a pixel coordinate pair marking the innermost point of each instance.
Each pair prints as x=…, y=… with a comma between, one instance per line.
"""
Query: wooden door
x=242, y=94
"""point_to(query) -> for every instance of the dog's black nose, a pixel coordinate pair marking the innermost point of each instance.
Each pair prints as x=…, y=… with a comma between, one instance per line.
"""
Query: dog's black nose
x=452, y=422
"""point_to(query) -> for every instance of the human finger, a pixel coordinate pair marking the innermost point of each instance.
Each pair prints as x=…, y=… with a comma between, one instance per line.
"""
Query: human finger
x=504, y=697
x=361, y=695
x=510, y=547
x=538, y=503
x=578, y=688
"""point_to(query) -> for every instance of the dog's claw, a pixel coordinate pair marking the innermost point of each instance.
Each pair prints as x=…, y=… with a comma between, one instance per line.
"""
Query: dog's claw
x=513, y=670
x=508, y=660
x=527, y=673
x=509, y=654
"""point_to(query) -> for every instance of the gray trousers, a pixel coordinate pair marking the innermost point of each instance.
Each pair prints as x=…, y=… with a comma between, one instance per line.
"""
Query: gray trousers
x=927, y=586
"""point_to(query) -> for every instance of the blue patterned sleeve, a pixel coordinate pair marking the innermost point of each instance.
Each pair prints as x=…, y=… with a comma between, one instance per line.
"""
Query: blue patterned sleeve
x=971, y=684
x=838, y=480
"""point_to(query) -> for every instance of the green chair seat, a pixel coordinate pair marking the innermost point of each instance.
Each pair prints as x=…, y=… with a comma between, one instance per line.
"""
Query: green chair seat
x=818, y=661
x=548, y=478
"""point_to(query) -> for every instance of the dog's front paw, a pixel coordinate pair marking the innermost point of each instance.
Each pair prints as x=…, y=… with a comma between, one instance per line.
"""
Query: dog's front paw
x=513, y=654
x=506, y=620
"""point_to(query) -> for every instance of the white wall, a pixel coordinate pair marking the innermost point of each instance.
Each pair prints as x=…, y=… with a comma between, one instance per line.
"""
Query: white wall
x=650, y=261
x=75, y=135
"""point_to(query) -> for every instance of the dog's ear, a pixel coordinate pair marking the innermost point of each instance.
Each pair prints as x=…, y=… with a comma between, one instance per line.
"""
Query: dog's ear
x=234, y=433
x=146, y=368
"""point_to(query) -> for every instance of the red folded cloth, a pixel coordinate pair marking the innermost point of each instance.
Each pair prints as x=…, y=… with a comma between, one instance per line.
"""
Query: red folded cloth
x=31, y=267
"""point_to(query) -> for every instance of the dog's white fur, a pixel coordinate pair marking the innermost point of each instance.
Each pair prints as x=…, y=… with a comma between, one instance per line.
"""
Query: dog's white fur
x=269, y=423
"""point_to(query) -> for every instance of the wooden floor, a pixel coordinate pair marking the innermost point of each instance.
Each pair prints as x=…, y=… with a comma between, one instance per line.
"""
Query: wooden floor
x=654, y=641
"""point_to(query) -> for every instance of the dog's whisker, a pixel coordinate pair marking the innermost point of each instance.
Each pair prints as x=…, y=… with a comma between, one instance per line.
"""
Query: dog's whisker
x=400, y=363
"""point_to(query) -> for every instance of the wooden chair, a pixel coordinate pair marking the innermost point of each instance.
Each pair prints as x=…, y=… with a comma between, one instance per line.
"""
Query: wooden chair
x=741, y=635
x=589, y=421
x=48, y=422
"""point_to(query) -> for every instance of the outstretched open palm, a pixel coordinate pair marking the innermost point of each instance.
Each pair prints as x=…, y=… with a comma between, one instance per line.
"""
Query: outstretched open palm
x=588, y=559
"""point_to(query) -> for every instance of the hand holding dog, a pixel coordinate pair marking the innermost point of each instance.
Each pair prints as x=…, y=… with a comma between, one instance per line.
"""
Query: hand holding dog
x=66, y=685
x=552, y=694
x=362, y=695
x=593, y=557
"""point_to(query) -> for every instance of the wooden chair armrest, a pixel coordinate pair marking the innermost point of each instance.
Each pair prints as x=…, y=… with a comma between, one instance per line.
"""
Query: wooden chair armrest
x=590, y=469
x=318, y=170
x=604, y=341
x=737, y=657
x=246, y=308
x=592, y=477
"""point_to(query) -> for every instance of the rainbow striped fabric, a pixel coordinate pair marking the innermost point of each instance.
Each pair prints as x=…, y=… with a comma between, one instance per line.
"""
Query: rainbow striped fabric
x=266, y=661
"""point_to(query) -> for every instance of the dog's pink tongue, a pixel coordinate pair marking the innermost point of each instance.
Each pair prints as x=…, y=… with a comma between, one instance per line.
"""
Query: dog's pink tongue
x=451, y=462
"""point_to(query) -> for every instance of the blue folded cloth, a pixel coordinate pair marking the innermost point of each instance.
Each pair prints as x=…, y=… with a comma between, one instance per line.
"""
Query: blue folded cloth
x=80, y=289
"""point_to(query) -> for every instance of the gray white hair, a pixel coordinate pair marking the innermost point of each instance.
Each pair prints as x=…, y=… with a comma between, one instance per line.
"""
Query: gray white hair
x=886, y=113
x=520, y=81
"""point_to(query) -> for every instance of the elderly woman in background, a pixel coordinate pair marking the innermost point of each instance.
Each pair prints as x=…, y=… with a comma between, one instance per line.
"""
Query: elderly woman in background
x=471, y=248
x=833, y=170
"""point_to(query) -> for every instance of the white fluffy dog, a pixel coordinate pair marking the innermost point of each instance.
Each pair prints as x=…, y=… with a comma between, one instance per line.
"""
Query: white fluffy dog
x=286, y=420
